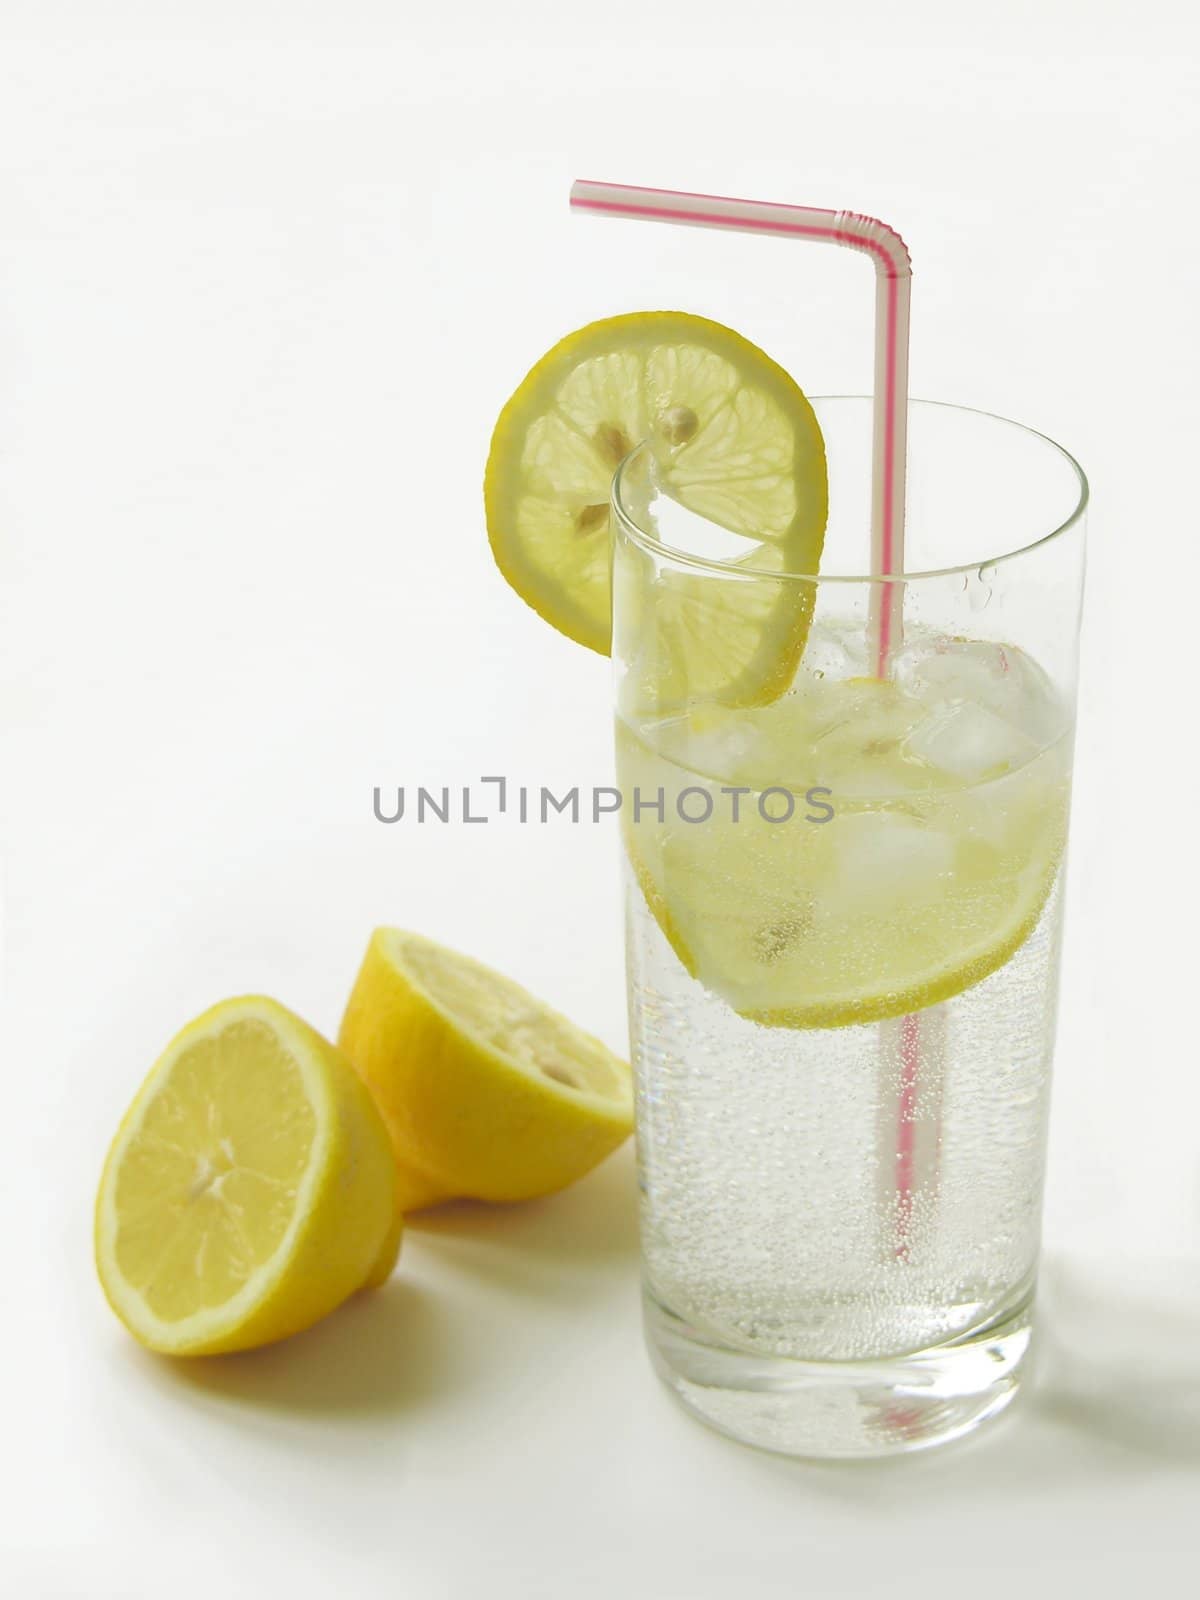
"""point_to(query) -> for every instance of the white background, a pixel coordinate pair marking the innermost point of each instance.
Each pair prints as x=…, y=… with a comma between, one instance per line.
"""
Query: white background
x=269, y=272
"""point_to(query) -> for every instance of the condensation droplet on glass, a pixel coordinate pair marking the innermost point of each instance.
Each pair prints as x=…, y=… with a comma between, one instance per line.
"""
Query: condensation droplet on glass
x=978, y=587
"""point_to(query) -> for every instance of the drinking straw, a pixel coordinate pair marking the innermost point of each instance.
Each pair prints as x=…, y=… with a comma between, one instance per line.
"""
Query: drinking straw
x=893, y=295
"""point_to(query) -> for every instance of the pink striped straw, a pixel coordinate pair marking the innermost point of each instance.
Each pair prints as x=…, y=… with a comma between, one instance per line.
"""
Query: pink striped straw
x=893, y=295
x=899, y=1041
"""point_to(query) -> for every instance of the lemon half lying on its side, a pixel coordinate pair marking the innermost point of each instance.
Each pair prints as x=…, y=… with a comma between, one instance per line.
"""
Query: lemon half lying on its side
x=487, y=1093
x=249, y=1190
x=734, y=441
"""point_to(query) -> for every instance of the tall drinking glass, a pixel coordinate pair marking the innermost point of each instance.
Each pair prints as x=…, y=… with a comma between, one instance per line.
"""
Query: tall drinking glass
x=844, y=906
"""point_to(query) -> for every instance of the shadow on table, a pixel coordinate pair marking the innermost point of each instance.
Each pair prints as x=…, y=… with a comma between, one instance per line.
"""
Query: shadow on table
x=1122, y=1368
x=1115, y=1390
x=380, y=1353
x=568, y=1245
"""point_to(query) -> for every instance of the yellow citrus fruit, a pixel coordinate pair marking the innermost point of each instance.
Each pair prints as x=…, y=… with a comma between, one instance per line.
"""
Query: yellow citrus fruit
x=389, y=1252
x=249, y=1190
x=906, y=888
x=487, y=1093
x=734, y=441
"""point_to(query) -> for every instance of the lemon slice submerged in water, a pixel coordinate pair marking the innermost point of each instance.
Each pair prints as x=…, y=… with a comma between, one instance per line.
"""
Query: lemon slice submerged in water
x=735, y=442
x=906, y=887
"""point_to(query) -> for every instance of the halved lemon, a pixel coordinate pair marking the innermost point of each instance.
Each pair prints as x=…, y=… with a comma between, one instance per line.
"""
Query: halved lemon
x=734, y=441
x=249, y=1190
x=488, y=1094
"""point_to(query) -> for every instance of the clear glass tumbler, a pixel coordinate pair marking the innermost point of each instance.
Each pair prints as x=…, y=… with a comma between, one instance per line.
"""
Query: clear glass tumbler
x=844, y=905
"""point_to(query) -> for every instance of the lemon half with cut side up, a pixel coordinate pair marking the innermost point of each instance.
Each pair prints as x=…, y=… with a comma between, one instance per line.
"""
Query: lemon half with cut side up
x=250, y=1188
x=487, y=1093
x=735, y=442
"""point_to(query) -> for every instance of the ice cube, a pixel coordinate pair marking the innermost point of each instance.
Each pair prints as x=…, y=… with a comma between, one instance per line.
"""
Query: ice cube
x=835, y=650
x=863, y=714
x=969, y=743
x=941, y=671
x=884, y=859
x=715, y=741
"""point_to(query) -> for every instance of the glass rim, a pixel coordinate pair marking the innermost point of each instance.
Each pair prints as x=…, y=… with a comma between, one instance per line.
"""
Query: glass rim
x=736, y=568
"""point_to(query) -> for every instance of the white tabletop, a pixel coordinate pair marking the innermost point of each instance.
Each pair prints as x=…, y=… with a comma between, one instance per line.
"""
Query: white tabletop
x=266, y=285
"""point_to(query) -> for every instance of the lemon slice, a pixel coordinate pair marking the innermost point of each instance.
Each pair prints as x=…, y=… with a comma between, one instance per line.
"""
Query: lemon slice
x=249, y=1190
x=916, y=887
x=735, y=441
x=487, y=1093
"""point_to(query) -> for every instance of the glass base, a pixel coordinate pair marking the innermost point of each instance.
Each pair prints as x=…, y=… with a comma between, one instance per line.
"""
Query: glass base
x=830, y=1410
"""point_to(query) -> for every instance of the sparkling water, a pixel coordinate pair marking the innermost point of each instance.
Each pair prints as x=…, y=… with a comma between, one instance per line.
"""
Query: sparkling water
x=842, y=1024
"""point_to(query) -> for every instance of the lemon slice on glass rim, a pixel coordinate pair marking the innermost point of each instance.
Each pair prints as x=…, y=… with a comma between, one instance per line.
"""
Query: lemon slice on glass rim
x=734, y=441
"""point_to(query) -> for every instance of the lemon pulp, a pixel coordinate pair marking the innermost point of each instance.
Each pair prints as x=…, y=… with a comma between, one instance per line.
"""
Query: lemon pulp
x=487, y=1093
x=249, y=1189
x=734, y=441
x=884, y=855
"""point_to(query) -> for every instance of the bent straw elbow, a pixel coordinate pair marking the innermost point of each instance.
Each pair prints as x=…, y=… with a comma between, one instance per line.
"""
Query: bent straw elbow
x=877, y=239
